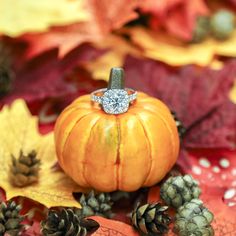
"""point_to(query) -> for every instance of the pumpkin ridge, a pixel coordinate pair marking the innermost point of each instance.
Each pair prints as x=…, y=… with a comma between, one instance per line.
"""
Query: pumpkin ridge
x=86, y=148
x=117, y=163
x=63, y=148
x=69, y=112
x=169, y=129
x=149, y=144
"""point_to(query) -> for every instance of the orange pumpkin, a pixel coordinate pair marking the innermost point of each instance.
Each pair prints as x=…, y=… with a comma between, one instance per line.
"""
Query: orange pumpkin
x=116, y=152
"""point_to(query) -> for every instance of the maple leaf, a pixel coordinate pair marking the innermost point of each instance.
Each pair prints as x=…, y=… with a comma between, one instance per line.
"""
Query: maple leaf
x=19, y=131
x=211, y=167
x=38, y=16
x=161, y=46
x=215, y=171
x=117, y=48
x=224, y=222
x=44, y=76
x=198, y=95
x=33, y=230
x=112, y=228
x=178, y=17
x=104, y=17
x=83, y=83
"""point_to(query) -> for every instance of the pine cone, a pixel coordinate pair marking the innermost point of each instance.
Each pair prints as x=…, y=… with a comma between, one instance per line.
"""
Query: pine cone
x=10, y=219
x=193, y=219
x=95, y=204
x=222, y=24
x=24, y=170
x=64, y=223
x=179, y=189
x=151, y=219
x=202, y=29
x=179, y=125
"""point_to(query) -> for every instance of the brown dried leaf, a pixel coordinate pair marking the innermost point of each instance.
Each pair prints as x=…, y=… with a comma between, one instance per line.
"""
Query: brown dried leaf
x=113, y=228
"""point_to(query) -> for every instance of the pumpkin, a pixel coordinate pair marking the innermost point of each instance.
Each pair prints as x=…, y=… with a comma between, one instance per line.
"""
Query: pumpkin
x=116, y=152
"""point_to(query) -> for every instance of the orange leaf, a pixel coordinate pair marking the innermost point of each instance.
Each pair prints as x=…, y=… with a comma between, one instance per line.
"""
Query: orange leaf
x=112, y=228
x=104, y=17
x=154, y=194
x=118, y=48
x=163, y=47
x=178, y=17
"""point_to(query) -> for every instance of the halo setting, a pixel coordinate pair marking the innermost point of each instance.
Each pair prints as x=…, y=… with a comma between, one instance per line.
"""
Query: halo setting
x=115, y=101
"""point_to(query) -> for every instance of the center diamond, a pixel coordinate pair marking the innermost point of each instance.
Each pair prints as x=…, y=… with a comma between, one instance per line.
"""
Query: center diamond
x=115, y=101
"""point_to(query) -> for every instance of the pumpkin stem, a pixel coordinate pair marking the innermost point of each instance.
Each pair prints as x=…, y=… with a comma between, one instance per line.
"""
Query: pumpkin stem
x=116, y=79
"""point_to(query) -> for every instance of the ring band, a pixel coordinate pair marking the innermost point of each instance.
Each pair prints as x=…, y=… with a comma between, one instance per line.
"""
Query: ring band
x=96, y=98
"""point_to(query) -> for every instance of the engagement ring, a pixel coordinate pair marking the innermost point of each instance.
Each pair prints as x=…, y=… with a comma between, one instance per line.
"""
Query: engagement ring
x=115, y=99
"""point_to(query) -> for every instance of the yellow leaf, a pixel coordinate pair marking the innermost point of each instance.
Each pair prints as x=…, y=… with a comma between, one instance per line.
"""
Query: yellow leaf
x=163, y=47
x=21, y=16
x=19, y=131
x=118, y=49
x=232, y=93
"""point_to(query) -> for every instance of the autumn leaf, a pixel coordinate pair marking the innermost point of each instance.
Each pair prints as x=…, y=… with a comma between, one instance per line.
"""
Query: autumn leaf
x=232, y=94
x=117, y=48
x=178, y=17
x=215, y=171
x=198, y=95
x=18, y=17
x=224, y=222
x=83, y=83
x=104, y=17
x=33, y=230
x=162, y=47
x=45, y=76
x=19, y=131
x=212, y=167
x=112, y=228
x=2, y=195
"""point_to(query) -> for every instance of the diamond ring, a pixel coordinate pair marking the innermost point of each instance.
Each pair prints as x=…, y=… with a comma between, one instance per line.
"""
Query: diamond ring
x=115, y=99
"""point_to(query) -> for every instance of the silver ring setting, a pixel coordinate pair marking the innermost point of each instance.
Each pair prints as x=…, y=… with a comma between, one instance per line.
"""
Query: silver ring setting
x=114, y=101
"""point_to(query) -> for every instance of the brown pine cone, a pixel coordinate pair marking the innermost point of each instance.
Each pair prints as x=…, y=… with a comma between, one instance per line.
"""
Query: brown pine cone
x=10, y=219
x=24, y=170
x=151, y=219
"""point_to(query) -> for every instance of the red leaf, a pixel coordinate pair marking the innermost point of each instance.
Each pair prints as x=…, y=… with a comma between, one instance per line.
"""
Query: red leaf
x=105, y=16
x=2, y=195
x=212, y=167
x=198, y=95
x=219, y=124
x=216, y=170
x=33, y=230
x=224, y=216
x=112, y=228
x=154, y=194
x=44, y=76
x=177, y=16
